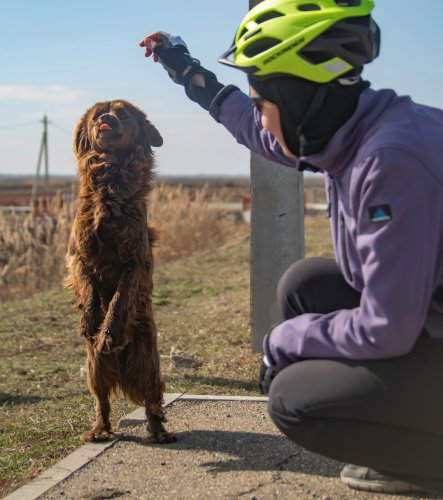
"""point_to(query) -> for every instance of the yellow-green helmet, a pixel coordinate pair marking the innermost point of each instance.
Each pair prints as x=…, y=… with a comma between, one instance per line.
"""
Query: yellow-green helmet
x=317, y=40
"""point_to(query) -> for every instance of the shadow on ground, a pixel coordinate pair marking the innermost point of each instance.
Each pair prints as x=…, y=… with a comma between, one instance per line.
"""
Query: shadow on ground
x=213, y=381
x=248, y=451
x=19, y=399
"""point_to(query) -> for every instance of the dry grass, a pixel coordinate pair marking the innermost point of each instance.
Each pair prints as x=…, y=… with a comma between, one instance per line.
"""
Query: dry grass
x=32, y=249
x=187, y=221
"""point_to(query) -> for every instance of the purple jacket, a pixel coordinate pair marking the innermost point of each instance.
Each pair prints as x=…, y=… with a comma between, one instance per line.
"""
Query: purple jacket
x=384, y=182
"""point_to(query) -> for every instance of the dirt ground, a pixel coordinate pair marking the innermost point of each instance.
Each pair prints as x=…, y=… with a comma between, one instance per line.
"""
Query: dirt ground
x=225, y=449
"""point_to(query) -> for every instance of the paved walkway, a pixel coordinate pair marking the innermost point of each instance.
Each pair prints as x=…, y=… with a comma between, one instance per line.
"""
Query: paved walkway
x=227, y=448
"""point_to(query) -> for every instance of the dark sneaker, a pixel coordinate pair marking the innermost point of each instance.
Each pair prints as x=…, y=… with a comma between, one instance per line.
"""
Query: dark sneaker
x=365, y=479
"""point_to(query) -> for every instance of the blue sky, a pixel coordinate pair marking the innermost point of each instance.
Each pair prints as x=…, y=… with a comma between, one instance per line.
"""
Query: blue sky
x=60, y=57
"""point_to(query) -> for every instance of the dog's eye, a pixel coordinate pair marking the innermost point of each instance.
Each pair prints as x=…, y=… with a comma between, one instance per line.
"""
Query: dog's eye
x=97, y=115
x=121, y=114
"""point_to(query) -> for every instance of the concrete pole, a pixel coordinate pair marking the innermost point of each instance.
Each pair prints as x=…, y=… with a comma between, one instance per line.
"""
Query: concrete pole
x=277, y=236
x=43, y=151
x=45, y=140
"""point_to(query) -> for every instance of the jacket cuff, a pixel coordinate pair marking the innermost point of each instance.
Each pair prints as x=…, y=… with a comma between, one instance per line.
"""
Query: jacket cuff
x=267, y=351
x=279, y=362
x=214, y=108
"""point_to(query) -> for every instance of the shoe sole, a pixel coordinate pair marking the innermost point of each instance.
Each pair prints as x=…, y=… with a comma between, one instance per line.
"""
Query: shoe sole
x=381, y=487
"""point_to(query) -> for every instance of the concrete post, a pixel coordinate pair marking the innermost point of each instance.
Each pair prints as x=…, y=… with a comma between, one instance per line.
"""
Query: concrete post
x=277, y=238
x=277, y=235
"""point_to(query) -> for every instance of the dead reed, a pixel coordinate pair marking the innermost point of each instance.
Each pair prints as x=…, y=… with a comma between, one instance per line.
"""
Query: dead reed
x=187, y=221
x=33, y=247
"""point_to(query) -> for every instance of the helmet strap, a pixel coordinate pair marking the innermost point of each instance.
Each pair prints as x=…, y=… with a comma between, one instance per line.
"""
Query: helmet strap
x=314, y=107
x=332, y=105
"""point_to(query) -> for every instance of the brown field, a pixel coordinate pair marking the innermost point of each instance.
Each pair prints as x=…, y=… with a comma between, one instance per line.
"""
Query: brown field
x=16, y=191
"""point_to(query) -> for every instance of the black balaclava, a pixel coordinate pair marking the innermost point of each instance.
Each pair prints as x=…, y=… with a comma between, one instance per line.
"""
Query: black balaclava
x=310, y=113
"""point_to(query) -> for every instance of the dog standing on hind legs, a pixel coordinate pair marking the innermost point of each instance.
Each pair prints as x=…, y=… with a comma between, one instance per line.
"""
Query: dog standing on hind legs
x=110, y=263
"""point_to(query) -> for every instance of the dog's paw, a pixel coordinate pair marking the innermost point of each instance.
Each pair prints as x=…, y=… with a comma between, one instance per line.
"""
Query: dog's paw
x=97, y=435
x=106, y=343
x=163, y=438
x=103, y=343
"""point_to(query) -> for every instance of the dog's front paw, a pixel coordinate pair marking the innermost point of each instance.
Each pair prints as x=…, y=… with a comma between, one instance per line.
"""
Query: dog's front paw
x=107, y=341
x=103, y=343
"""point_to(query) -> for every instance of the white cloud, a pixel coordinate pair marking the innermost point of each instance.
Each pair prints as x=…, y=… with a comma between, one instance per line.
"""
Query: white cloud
x=45, y=93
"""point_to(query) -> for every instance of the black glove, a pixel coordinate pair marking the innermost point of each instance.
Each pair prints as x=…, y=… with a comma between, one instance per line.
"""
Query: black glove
x=265, y=378
x=269, y=368
x=174, y=56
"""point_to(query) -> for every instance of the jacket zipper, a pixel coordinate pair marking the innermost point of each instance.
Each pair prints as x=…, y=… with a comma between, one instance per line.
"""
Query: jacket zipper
x=344, y=247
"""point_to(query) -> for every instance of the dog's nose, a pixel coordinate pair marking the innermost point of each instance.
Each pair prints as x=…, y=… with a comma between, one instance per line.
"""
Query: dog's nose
x=106, y=121
x=105, y=118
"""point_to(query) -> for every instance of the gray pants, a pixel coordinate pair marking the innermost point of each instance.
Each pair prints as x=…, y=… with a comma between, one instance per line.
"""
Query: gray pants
x=386, y=414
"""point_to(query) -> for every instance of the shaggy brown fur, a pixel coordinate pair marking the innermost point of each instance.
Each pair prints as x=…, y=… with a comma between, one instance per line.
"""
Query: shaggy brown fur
x=110, y=262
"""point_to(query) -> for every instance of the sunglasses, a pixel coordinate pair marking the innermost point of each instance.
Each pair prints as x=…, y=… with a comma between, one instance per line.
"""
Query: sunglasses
x=258, y=101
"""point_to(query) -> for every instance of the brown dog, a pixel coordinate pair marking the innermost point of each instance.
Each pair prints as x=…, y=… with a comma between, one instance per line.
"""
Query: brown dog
x=110, y=262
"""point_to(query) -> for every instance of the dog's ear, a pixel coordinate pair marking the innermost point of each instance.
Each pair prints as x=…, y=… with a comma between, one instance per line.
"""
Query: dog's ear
x=81, y=143
x=154, y=135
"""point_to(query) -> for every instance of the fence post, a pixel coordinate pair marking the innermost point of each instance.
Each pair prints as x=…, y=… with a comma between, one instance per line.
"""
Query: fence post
x=277, y=235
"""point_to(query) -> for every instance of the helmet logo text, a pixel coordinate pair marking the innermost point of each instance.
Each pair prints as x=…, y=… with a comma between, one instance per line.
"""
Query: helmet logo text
x=296, y=43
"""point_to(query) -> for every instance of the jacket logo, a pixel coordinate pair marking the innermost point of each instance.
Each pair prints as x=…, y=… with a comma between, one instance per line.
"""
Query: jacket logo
x=380, y=213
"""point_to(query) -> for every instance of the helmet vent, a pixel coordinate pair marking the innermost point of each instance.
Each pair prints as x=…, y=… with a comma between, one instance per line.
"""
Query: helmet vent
x=361, y=20
x=334, y=32
x=316, y=56
x=261, y=46
x=355, y=48
x=267, y=16
x=308, y=7
x=348, y=3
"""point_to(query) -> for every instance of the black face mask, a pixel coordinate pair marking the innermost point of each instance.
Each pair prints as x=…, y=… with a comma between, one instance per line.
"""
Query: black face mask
x=310, y=113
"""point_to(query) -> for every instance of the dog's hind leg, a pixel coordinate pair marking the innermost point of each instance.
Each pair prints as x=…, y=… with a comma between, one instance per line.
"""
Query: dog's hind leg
x=141, y=379
x=155, y=388
x=157, y=431
x=154, y=411
x=101, y=428
x=99, y=387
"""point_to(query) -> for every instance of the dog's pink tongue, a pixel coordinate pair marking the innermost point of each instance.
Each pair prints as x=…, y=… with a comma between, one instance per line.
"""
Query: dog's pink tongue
x=105, y=126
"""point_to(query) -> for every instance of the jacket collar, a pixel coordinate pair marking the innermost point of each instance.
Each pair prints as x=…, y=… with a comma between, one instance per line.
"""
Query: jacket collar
x=343, y=145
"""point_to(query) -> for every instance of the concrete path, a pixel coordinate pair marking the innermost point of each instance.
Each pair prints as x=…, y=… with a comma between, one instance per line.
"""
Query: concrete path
x=227, y=448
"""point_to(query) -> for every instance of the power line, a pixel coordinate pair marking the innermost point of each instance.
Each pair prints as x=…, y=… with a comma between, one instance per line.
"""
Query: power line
x=17, y=125
x=25, y=124
x=61, y=128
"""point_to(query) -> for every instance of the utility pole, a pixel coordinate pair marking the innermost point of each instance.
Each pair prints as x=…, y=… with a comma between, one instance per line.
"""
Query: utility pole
x=43, y=151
